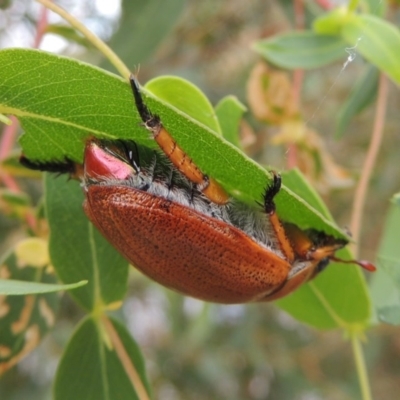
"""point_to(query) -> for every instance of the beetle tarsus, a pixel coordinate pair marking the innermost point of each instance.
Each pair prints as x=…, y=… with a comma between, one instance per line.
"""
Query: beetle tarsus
x=271, y=192
x=61, y=167
x=150, y=120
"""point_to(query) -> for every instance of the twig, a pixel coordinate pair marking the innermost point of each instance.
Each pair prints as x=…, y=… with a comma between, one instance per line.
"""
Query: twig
x=125, y=360
x=98, y=43
x=360, y=366
x=369, y=163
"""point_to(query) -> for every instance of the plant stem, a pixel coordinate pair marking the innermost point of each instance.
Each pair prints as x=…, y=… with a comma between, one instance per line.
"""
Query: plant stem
x=369, y=164
x=101, y=46
x=125, y=360
x=361, y=367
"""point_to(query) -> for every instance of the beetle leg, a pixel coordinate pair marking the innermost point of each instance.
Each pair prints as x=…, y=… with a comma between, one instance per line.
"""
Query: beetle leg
x=208, y=186
x=61, y=167
x=270, y=209
x=307, y=249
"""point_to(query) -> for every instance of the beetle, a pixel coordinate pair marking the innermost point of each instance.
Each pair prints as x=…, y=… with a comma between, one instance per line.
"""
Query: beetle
x=179, y=227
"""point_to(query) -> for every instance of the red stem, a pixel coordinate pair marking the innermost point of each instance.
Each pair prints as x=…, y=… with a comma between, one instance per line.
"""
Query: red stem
x=369, y=163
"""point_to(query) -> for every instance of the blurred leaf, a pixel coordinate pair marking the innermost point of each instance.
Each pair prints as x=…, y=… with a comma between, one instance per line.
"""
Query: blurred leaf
x=78, y=251
x=13, y=203
x=229, y=112
x=390, y=315
x=305, y=50
x=270, y=95
x=143, y=26
x=362, y=95
x=377, y=40
x=376, y=7
x=386, y=283
x=332, y=22
x=185, y=97
x=24, y=320
x=12, y=287
x=69, y=33
x=97, y=103
x=92, y=370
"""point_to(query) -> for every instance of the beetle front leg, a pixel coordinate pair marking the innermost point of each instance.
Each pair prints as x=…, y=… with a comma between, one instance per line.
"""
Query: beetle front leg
x=185, y=165
x=270, y=208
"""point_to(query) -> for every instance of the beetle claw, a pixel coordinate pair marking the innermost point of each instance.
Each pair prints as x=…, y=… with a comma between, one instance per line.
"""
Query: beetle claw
x=150, y=120
x=270, y=193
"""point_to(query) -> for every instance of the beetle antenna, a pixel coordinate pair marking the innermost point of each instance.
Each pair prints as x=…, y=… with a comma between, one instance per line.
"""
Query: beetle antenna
x=150, y=120
x=362, y=263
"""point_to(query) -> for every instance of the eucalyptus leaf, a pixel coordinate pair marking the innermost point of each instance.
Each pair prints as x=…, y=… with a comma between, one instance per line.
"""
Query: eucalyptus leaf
x=60, y=102
x=385, y=286
x=186, y=97
x=92, y=370
x=376, y=40
x=305, y=50
x=229, y=111
x=28, y=304
x=338, y=297
x=11, y=287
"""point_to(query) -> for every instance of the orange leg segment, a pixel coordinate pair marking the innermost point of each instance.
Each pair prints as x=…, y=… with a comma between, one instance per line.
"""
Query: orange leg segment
x=208, y=186
x=270, y=209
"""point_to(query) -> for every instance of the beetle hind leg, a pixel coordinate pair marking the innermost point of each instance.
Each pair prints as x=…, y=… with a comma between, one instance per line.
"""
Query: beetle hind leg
x=182, y=162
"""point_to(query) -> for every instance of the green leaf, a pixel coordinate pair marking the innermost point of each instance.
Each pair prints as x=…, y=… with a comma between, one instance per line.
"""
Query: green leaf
x=229, y=111
x=386, y=283
x=331, y=23
x=338, y=297
x=78, y=251
x=305, y=50
x=362, y=95
x=12, y=287
x=378, y=8
x=24, y=320
x=143, y=26
x=60, y=102
x=185, y=97
x=92, y=370
x=298, y=184
x=376, y=40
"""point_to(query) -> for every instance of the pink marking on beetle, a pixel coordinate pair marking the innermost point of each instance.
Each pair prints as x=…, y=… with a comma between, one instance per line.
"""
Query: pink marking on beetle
x=100, y=163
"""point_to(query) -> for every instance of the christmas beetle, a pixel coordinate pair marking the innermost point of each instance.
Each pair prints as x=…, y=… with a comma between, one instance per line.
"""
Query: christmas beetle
x=179, y=227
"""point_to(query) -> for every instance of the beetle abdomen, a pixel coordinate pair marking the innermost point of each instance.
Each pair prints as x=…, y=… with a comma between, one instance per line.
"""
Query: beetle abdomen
x=170, y=243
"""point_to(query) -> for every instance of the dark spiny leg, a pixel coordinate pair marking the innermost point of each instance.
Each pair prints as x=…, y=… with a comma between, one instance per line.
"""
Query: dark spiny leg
x=182, y=162
x=269, y=207
x=61, y=167
x=150, y=120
